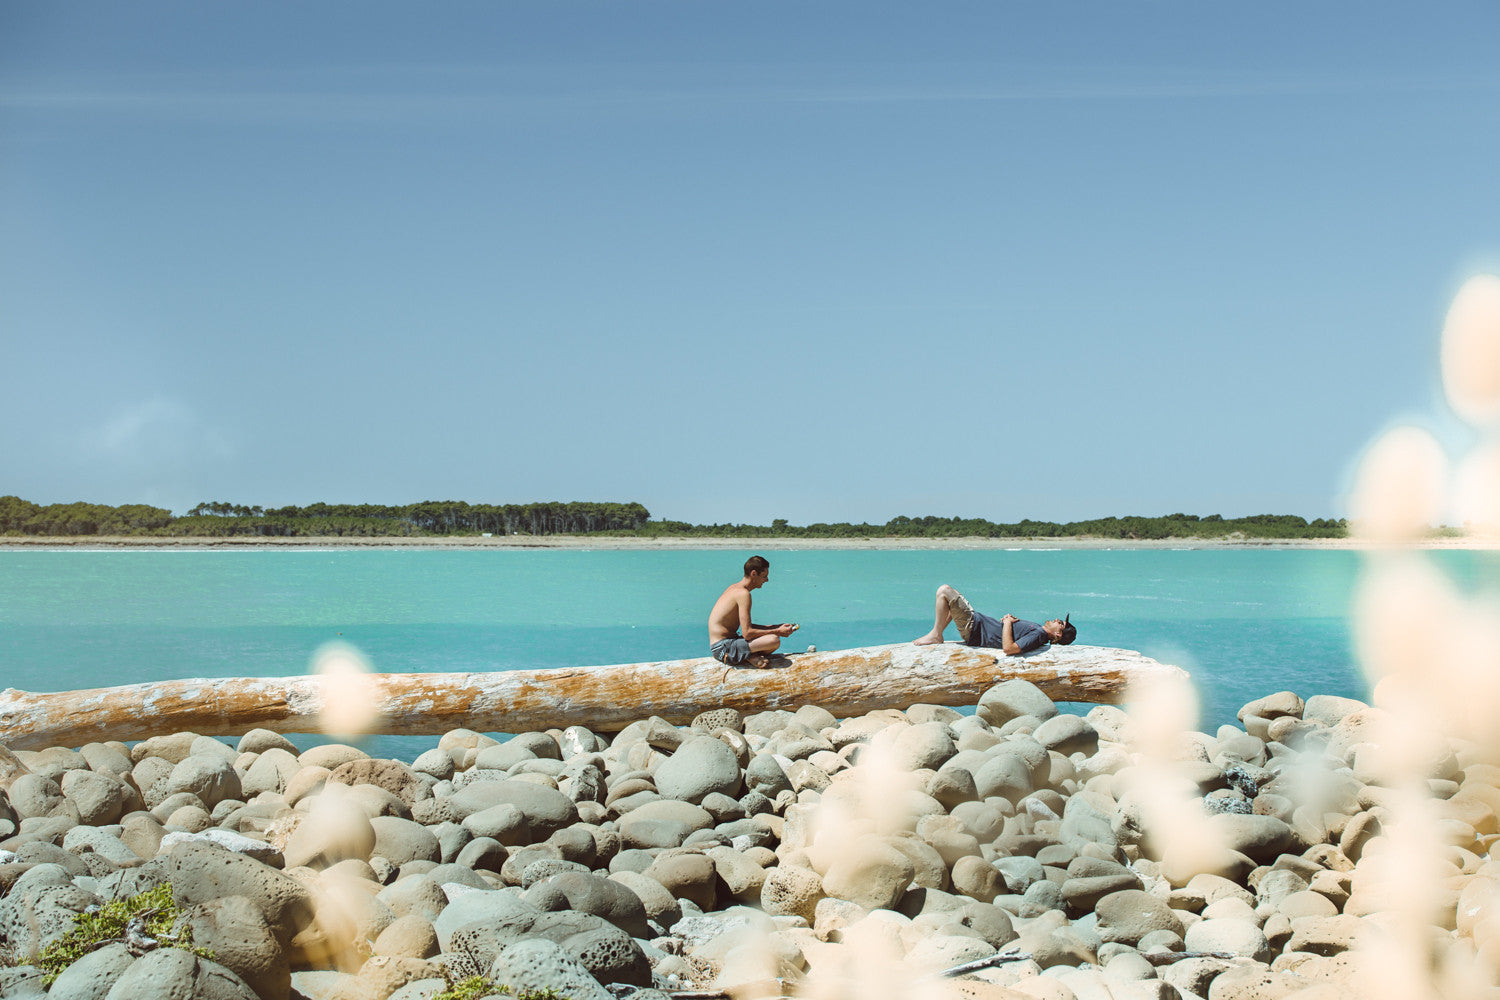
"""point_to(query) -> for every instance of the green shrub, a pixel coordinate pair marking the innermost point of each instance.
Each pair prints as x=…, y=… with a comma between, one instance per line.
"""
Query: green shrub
x=475, y=987
x=151, y=913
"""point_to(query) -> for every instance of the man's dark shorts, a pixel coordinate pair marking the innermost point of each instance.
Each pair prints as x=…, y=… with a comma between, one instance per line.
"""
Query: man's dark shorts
x=733, y=650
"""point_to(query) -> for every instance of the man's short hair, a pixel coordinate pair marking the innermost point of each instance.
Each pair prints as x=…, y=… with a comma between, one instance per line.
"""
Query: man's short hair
x=756, y=564
x=1069, y=633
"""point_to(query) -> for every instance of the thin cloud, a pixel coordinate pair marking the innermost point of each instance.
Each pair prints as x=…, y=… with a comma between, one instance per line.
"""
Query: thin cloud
x=153, y=432
x=455, y=94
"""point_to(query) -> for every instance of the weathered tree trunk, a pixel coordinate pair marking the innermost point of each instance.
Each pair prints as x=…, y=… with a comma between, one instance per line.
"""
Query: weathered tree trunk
x=846, y=682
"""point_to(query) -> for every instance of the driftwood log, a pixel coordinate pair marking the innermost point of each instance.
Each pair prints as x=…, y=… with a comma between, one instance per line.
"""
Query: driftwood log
x=605, y=699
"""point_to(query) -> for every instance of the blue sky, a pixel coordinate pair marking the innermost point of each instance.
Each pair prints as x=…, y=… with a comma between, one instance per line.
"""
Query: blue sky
x=820, y=261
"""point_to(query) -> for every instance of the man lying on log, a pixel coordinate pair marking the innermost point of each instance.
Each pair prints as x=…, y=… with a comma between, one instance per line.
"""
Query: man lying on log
x=733, y=638
x=1010, y=634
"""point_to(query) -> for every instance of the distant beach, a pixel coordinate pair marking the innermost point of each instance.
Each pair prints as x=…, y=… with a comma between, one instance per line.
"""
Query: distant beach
x=626, y=543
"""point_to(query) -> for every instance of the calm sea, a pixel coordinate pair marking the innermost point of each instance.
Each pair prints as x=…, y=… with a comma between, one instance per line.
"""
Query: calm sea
x=1244, y=623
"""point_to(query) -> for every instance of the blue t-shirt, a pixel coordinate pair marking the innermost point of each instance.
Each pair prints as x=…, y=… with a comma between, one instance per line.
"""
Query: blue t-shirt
x=1027, y=635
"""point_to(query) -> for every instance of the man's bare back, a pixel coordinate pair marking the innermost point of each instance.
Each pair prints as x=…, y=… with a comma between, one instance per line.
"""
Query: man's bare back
x=733, y=637
x=731, y=611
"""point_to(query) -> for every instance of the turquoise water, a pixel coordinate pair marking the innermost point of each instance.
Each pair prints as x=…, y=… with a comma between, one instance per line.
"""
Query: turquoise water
x=1244, y=623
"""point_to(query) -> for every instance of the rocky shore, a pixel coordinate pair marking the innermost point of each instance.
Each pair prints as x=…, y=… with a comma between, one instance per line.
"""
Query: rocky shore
x=1055, y=856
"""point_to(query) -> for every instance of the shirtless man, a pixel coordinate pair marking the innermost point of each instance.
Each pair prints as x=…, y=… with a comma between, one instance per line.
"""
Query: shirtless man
x=732, y=637
x=1011, y=635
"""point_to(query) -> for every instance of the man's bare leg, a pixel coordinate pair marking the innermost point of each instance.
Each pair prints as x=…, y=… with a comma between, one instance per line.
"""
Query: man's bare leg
x=940, y=619
x=760, y=650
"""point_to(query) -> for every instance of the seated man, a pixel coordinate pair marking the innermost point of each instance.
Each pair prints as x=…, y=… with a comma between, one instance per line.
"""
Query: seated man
x=1010, y=634
x=732, y=637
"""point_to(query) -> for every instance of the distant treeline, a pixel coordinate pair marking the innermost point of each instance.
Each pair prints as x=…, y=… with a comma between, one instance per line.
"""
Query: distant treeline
x=218, y=519
x=1170, y=526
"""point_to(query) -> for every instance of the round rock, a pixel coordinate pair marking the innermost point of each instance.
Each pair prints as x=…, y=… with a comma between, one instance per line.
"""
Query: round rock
x=701, y=765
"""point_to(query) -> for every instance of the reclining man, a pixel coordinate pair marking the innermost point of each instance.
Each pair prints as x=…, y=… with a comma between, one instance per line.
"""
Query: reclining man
x=1010, y=634
x=733, y=638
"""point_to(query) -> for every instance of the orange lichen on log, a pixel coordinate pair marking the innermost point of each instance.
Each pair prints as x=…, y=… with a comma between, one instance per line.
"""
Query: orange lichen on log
x=606, y=698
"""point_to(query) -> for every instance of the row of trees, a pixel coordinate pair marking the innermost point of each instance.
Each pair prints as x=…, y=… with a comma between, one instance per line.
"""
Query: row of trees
x=1170, y=526
x=22, y=517
x=430, y=517
x=455, y=517
x=218, y=519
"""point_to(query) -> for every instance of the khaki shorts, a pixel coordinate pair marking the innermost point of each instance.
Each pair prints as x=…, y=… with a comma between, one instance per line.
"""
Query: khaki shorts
x=963, y=614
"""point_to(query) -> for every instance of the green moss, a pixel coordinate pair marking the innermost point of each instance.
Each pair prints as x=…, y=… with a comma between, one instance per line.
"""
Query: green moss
x=151, y=913
x=475, y=987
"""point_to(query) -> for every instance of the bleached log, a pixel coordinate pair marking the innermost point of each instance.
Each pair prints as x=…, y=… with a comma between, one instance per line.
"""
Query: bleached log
x=606, y=698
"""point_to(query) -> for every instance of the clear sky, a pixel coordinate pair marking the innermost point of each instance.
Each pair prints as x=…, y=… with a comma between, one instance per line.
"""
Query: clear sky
x=820, y=261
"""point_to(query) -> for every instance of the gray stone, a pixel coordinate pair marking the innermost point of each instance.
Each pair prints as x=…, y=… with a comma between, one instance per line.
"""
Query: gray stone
x=700, y=765
x=227, y=839
x=536, y=965
x=764, y=774
x=409, y=936
x=34, y=795
x=1261, y=838
x=540, y=744
x=1067, y=734
x=209, y=777
x=1129, y=915
x=1231, y=935
x=1012, y=699
x=661, y=906
x=272, y=772
x=719, y=718
x=479, y=907
x=927, y=745
x=578, y=740
x=607, y=952
x=200, y=873
x=421, y=989
x=235, y=931
x=415, y=895
x=402, y=840
x=22, y=982
x=174, y=974
x=435, y=763
x=1329, y=709
x=261, y=740
x=1004, y=774
x=98, y=797
x=687, y=876
x=1020, y=872
x=331, y=755
x=640, y=833
x=504, y=823
x=546, y=868
x=90, y=977
x=483, y=854
x=37, y=911
x=976, y=878
x=870, y=873
x=503, y=757
x=546, y=810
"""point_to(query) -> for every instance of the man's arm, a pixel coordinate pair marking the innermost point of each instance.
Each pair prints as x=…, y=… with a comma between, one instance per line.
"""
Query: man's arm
x=750, y=630
x=1007, y=636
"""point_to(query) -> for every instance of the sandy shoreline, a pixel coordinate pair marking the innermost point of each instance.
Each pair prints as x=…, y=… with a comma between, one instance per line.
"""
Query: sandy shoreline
x=577, y=542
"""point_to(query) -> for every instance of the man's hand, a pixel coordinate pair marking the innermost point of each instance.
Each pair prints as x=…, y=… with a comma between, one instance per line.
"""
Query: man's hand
x=1008, y=619
x=785, y=629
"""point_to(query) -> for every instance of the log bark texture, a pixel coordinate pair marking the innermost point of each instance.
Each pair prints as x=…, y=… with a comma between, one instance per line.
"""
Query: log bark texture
x=605, y=699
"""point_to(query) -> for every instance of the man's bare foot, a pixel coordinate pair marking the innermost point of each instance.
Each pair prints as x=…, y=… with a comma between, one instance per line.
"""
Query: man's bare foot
x=928, y=640
x=759, y=661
